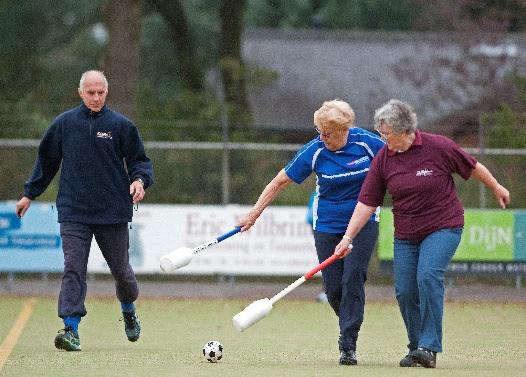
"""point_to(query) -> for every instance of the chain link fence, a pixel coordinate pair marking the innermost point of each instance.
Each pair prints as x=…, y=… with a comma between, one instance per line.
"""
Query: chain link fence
x=221, y=173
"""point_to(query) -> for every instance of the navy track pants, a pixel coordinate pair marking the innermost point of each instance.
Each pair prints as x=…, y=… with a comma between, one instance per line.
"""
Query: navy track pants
x=113, y=240
x=344, y=280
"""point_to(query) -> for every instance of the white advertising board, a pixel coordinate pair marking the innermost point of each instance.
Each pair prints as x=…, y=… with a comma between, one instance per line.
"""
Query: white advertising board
x=280, y=243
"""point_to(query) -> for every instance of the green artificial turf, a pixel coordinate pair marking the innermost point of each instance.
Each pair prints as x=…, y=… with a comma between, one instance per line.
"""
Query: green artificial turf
x=298, y=338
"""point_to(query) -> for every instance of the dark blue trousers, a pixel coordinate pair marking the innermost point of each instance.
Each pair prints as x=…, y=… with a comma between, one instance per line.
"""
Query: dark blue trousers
x=344, y=280
x=113, y=240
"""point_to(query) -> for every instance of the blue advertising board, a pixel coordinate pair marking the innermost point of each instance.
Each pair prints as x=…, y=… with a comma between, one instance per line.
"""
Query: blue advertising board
x=32, y=244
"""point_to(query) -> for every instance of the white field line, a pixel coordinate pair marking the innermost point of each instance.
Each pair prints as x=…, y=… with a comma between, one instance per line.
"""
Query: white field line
x=16, y=330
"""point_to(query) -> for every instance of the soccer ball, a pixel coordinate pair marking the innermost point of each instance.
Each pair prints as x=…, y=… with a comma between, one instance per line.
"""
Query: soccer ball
x=213, y=351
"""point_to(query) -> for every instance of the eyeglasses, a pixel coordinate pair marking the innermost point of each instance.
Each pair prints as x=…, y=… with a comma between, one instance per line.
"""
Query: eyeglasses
x=387, y=135
x=324, y=134
x=384, y=135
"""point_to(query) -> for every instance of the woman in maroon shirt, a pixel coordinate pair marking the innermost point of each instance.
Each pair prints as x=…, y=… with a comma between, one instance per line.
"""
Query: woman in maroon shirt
x=416, y=168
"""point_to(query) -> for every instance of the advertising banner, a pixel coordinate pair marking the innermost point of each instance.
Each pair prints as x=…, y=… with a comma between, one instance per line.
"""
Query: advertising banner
x=488, y=236
x=32, y=244
x=280, y=243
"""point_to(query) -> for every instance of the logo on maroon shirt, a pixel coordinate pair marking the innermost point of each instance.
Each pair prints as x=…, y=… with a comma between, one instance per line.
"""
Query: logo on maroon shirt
x=424, y=173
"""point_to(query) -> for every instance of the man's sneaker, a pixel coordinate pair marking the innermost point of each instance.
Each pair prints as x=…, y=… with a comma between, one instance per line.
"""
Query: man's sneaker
x=424, y=357
x=68, y=339
x=348, y=358
x=408, y=361
x=132, y=326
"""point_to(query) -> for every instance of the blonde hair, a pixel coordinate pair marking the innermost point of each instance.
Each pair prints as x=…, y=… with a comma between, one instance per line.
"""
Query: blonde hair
x=335, y=114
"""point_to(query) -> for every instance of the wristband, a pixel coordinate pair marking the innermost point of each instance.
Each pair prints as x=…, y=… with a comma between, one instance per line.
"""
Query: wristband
x=347, y=238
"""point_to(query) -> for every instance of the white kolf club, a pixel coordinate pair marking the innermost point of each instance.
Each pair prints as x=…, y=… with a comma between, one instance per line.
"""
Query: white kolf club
x=261, y=308
x=182, y=256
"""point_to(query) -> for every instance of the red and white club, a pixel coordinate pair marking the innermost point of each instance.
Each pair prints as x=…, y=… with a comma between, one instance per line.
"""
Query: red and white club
x=261, y=308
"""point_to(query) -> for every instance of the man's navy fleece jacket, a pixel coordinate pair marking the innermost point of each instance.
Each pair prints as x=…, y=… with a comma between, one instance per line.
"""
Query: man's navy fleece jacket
x=101, y=154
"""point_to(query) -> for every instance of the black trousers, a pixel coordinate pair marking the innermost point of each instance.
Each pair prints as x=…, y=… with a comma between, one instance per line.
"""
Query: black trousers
x=344, y=280
x=113, y=240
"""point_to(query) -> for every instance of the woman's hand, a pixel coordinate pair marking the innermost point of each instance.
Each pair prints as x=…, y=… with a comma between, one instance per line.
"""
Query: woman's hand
x=502, y=195
x=482, y=174
x=246, y=222
x=343, y=248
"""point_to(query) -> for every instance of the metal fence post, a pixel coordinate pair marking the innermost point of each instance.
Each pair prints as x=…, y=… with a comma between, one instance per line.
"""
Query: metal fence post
x=482, y=188
x=225, y=164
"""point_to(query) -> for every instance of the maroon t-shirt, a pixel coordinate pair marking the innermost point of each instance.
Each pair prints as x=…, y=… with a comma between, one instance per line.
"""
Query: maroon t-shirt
x=421, y=184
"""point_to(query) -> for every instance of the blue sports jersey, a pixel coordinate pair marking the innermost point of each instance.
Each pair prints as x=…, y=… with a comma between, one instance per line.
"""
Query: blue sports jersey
x=339, y=177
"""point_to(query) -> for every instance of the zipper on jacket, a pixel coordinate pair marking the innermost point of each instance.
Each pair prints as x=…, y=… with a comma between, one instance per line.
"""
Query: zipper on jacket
x=91, y=139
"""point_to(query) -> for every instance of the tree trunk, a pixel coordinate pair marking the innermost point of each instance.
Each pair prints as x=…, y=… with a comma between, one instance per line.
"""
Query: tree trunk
x=231, y=63
x=122, y=59
x=173, y=13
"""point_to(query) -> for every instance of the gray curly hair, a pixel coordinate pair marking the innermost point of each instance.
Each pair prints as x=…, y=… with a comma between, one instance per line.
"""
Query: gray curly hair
x=398, y=115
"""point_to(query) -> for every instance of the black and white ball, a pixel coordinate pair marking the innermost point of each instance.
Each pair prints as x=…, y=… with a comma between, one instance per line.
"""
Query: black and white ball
x=213, y=351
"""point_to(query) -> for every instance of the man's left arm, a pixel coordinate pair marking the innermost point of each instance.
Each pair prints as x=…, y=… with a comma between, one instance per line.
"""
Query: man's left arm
x=140, y=167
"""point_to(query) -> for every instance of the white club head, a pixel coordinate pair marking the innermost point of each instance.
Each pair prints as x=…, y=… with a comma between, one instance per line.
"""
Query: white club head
x=176, y=259
x=251, y=314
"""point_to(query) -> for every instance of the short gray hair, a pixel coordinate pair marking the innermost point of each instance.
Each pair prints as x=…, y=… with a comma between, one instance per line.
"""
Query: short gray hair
x=398, y=115
x=92, y=71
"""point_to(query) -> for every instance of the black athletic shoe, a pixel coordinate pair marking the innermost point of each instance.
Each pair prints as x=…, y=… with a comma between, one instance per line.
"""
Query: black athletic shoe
x=132, y=326
x=348, y=358
x=424, y=357
x=408, y=362
x=68, y=340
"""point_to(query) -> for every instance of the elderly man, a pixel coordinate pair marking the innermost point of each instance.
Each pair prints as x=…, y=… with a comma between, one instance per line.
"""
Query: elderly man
x=104, y=172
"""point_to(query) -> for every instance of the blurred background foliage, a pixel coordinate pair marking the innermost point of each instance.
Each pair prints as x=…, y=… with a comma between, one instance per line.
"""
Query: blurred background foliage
x=190, y=72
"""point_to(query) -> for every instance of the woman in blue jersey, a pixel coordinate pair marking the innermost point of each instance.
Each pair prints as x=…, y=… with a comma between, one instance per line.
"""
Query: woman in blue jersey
x=340, y=157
